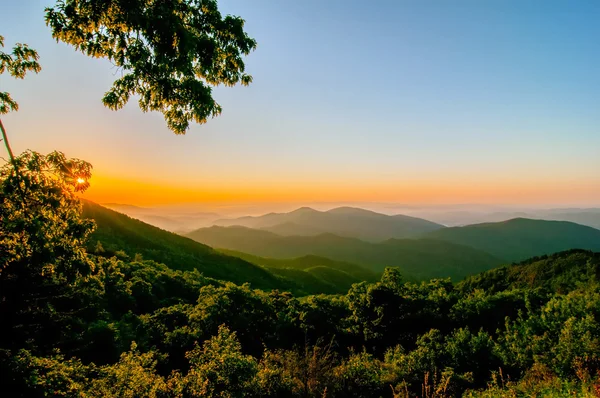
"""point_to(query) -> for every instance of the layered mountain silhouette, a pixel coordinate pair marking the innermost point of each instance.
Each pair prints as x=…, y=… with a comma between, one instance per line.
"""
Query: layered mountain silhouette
x=343, y=221
x=118, y=232
x=323, y=262
x=417, y=258
x=446, y=252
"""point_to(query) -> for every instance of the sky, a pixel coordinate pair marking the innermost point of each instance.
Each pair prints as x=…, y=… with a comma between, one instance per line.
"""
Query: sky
x=428, y=102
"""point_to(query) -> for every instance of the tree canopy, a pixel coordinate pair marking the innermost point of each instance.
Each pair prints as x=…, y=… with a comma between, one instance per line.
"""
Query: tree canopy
x=170, y=53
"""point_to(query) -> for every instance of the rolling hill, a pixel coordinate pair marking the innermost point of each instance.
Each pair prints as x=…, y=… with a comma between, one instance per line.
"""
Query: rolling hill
x=343, y=221
x=309, y=261
x=521, y=238
x=421, y=259
x=313, y=273
x=117, y=231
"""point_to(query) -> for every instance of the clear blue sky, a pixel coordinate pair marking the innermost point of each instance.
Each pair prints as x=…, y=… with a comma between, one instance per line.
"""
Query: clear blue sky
x=439, y=101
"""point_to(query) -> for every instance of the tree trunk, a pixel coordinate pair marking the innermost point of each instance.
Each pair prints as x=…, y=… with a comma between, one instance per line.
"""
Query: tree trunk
x=7, y=144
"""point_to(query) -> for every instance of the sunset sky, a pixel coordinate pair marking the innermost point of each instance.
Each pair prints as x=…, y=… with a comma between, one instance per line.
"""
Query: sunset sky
x=387, y=101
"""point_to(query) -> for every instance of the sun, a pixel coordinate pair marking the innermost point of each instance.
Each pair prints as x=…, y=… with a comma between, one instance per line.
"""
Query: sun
x=80, y=180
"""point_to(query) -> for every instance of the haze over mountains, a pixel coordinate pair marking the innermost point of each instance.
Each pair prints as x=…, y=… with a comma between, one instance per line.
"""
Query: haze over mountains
x=186, y=218
x=327, y=251
x=119, y=234
x=431, y=249
x=343, y=221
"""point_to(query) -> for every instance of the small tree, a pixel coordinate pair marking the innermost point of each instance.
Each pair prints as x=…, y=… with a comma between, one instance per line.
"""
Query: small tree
x=219, y=368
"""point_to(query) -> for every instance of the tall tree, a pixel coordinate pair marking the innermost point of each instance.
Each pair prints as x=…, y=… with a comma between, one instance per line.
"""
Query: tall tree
x=42, y=232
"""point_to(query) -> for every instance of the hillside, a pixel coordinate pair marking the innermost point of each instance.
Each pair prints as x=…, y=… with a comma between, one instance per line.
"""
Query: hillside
x=559, y=272
x=313, y=273
x=117, y=231
x=421, y=259
x=306, y=262
x=343, y=221
x=521, y=238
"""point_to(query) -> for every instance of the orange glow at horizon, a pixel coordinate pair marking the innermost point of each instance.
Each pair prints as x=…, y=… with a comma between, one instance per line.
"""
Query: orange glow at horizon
x=107, y=189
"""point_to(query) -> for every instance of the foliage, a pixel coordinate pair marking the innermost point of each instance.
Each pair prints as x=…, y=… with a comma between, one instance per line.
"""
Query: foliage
x=18, y=63
x=133, y=376
x=115, y=322
x=116, y=231
x=42, y=258
x=219, y=368
x=170, y=53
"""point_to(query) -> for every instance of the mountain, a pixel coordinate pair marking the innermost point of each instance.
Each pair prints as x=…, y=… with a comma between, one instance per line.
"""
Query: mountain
x=358, y=272
x=559, y=272
x=521, y=238
x=116, y=231
x=343, y=221
x=421, y=259
x=589, y=217
x=313, y=273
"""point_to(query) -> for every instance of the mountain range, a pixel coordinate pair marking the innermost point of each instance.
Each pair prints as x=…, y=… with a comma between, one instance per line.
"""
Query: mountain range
x=417, y=258
x=444, y=252
x=343, y=221
x=120, y=234
x=330, y=263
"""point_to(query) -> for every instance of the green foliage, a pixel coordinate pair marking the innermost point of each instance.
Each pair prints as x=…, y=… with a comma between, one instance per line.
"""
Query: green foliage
x=561, y=273
x=18, y=63
x=361, y=375
x=42, y=260
x=51, y=376
x=170, y=52
x=563, y=334
x=133, y=376
x=219, y=369
x=118, y=232
x=122, y=324
x=538, y=381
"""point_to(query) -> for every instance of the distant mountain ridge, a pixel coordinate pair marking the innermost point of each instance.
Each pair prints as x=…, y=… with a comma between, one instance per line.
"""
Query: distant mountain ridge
x=417, y=258
x=306, y=275
x=522, y=238
x=343, y=221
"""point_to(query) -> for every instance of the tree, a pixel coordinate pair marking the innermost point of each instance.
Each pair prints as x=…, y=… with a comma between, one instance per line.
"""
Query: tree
x=41, y=241
x=219, y=368
x=170, y=53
